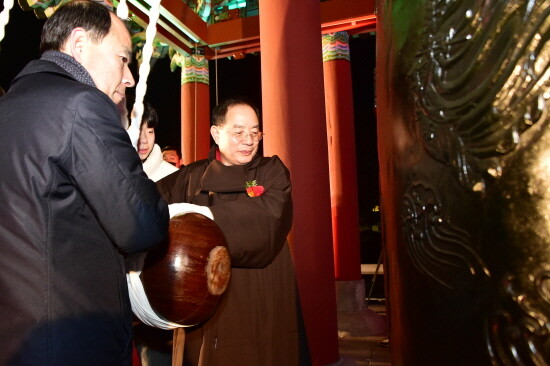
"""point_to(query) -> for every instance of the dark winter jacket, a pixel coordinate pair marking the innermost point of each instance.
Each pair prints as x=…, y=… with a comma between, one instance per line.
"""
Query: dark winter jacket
x=74, y=199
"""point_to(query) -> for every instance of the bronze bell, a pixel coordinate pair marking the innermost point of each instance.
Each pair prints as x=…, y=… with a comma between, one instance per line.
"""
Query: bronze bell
x=464, y=143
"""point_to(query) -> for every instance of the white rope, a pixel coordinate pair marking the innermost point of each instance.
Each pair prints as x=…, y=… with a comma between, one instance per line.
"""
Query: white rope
x=144, y=70
x=5, y=17
x=141, y=306
x=122, y=10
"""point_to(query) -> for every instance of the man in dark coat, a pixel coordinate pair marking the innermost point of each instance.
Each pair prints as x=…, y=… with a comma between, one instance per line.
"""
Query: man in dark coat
x=257, y=322
x=74, y=197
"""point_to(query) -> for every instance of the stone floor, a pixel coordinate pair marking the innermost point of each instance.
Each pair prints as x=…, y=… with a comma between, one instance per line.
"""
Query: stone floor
x=365, y=350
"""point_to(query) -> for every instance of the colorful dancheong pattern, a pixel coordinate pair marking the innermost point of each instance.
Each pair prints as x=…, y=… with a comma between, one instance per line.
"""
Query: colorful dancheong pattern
x=335, y=46
x=194, y=70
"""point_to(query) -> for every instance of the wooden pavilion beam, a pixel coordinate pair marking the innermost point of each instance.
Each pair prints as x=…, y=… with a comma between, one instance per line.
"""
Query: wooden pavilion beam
x=184, y=30
x=166, y=34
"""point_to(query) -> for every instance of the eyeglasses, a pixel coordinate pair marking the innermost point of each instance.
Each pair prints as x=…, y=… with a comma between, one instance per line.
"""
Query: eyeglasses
x=242, y=136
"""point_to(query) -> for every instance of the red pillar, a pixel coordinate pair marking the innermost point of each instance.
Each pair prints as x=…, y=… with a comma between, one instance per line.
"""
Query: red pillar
x=341, y=153
x=195, y=108
x=294, y=123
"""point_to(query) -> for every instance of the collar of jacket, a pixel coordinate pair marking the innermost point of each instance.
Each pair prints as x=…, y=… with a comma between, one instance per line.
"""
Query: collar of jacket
x=70, y=65
x=37, y=66
x=224, y=179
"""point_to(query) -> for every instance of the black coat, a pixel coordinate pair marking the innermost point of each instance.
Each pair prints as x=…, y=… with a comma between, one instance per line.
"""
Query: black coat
x=74, y=199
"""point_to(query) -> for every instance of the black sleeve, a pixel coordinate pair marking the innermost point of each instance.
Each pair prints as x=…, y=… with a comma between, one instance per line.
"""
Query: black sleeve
x=108, y=173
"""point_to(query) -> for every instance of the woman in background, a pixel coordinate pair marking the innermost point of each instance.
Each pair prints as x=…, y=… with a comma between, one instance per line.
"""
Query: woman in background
x=153, y=344
x=150, y=154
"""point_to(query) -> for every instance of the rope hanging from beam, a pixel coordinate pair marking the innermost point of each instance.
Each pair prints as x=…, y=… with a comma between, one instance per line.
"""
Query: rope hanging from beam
x=5, y=17
x=144, y=69
x=122, y=9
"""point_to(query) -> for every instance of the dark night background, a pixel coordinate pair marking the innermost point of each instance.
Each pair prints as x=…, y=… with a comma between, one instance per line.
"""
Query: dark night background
x=21, y=42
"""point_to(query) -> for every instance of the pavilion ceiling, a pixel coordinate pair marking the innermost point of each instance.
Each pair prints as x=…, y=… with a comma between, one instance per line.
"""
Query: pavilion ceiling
x=222, y=28
x=238, y=33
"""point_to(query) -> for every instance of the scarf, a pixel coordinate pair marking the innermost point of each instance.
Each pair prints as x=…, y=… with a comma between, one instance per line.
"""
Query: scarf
x=70, y=65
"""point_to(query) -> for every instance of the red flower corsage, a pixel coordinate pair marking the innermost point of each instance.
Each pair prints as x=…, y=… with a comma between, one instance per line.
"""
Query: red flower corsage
x=253, y=189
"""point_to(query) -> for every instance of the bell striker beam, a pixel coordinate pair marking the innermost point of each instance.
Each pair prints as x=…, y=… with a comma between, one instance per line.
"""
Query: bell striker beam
x=294, y=123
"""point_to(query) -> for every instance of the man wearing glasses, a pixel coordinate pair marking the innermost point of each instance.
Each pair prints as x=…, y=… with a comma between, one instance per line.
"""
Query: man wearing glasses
x=249, y=196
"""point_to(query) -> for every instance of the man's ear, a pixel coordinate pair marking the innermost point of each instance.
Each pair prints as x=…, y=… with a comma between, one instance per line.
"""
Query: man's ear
x=215, y=133
x=76, y=44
